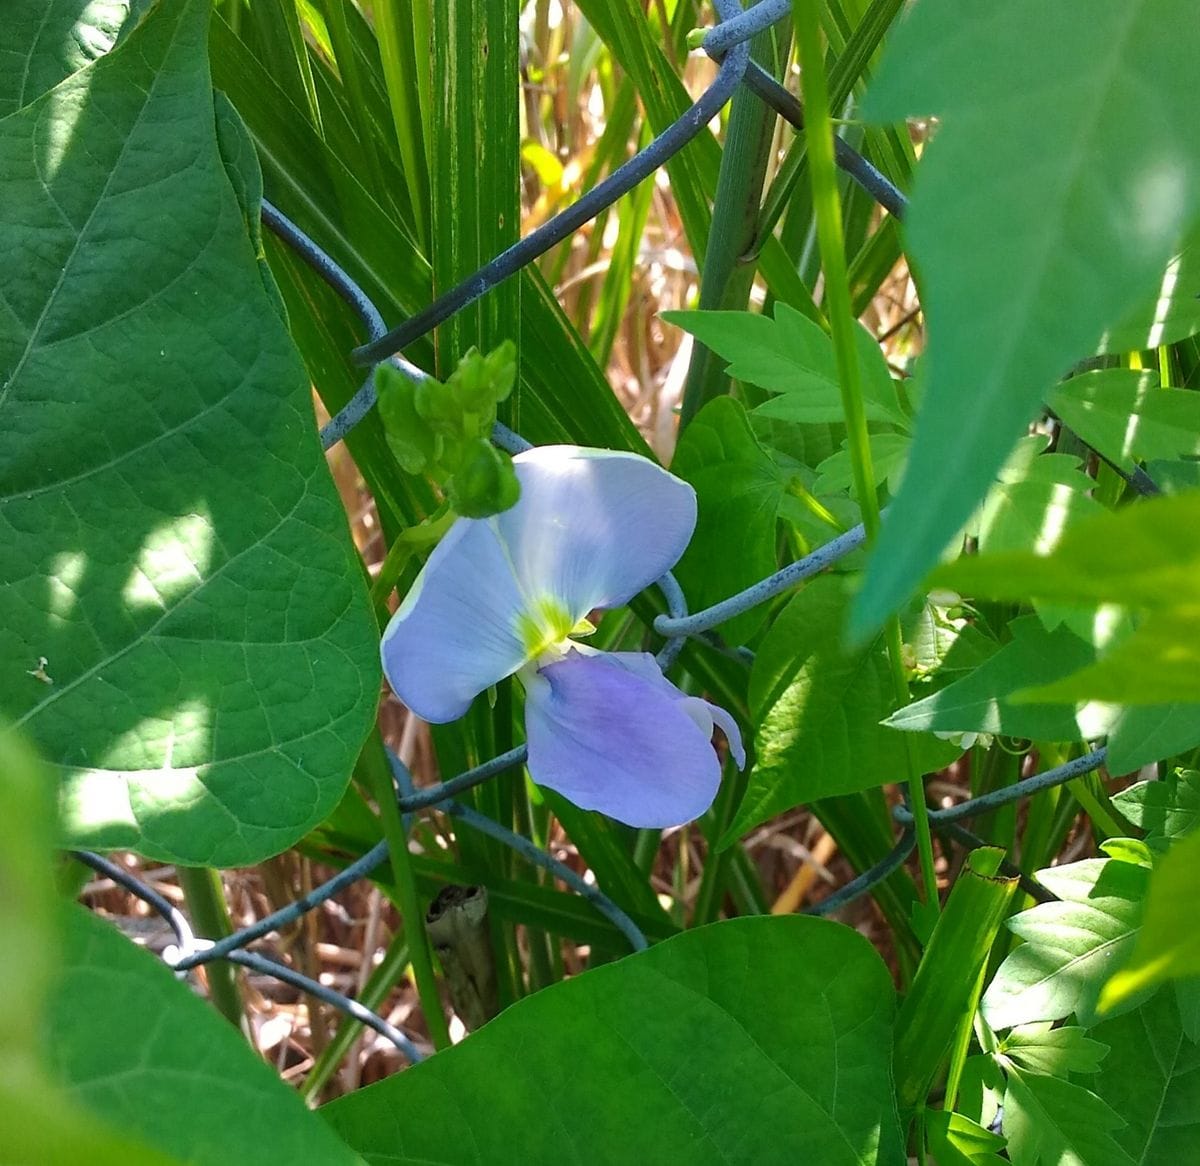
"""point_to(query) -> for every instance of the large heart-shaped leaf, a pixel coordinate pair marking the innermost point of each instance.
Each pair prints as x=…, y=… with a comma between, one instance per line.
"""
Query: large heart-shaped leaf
x=130, y=1043
x=1033, y=241
x=41, y=1125
x=604, y=1068
x=47, y=41
x=173, y=547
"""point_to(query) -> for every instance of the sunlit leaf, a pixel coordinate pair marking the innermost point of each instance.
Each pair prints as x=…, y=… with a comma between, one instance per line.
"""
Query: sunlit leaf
x=984, y=701
x=1170, y=313
x=1168, y=945
x=1159, y=663
x=1070, y=945
x=889, y=455
x=1125, y=415
x=792, y=357
x=1164, y=809
x=1031, y=243
x=47, y=41
x=1143, y=557
x=1055, y=1052
x=1049, y=1122
x=172, y=543
x=954, y=1140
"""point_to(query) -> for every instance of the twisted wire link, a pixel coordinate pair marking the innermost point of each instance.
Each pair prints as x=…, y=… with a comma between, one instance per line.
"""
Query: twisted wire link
x=1025, y=788
x=524, y=847
x=726, y=42
x=258, y=963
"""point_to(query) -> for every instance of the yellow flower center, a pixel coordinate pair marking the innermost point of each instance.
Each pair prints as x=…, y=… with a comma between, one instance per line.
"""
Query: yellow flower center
x=548, y=624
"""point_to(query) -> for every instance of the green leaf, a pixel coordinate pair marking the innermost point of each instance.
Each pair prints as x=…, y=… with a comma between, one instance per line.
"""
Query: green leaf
x=1158, y=663
x=1033, y=513
x=818, y=708
x=889, y=456
x=566, y=397
x=29, y=931
x=981, y=1090
x=954, y=1140
x=48, y=41
x=1054, y=1052
x=42, y=1127
x=1069, y=945
x=738, y=491
x=984, y=702
x=793, y=357
x=979, y=702
x=137, y=1047
x=1164, y=809
x=474, y=166
x=1155, y=571
x=1170, y=314
x=602, y=1067
x=174, y=546
x=1049, y=1122
x=1168, y=944
x=1035, y=497
x=946, y=986
x=1125, y=415
x=1152, y=1078
x=1149, y=733
x=1033, y=242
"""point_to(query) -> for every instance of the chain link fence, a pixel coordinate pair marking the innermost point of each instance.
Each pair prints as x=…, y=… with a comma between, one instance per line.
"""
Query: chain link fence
x=727, y=43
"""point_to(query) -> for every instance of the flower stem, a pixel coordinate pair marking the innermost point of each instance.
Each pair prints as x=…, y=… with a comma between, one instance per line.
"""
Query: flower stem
x=407, y=544
x=842, y=326
x=384, y=789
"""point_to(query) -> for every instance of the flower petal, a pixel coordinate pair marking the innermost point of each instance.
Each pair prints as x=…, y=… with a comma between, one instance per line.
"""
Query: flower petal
x=703, y=712
x=611, y=740
x=594, y=527
x=456, y=632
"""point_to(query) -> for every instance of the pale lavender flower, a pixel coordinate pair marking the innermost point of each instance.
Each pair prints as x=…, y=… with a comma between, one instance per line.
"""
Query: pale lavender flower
x=504, y=595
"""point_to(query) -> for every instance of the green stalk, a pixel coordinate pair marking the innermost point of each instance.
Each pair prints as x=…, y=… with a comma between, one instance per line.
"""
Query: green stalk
x=210, y=917
x=727, y=277
x=944, y=991
x=375, y=991
x=384, y=791
x=395, y=28
x=351, y=74
x=841, y=321
x=962, y=1043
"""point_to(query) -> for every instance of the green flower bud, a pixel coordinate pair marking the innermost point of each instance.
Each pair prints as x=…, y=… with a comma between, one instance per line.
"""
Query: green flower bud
x=485, y=482
x=409, y=436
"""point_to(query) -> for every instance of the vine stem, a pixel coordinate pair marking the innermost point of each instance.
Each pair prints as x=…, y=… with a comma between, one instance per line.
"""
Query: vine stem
x=842, y=324
x=394, y=833
x=205, y=896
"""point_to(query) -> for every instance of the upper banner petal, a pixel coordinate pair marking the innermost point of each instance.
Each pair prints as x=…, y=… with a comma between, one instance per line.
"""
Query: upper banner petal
x=457, y=631
x=594, y=527
x=614, y=741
